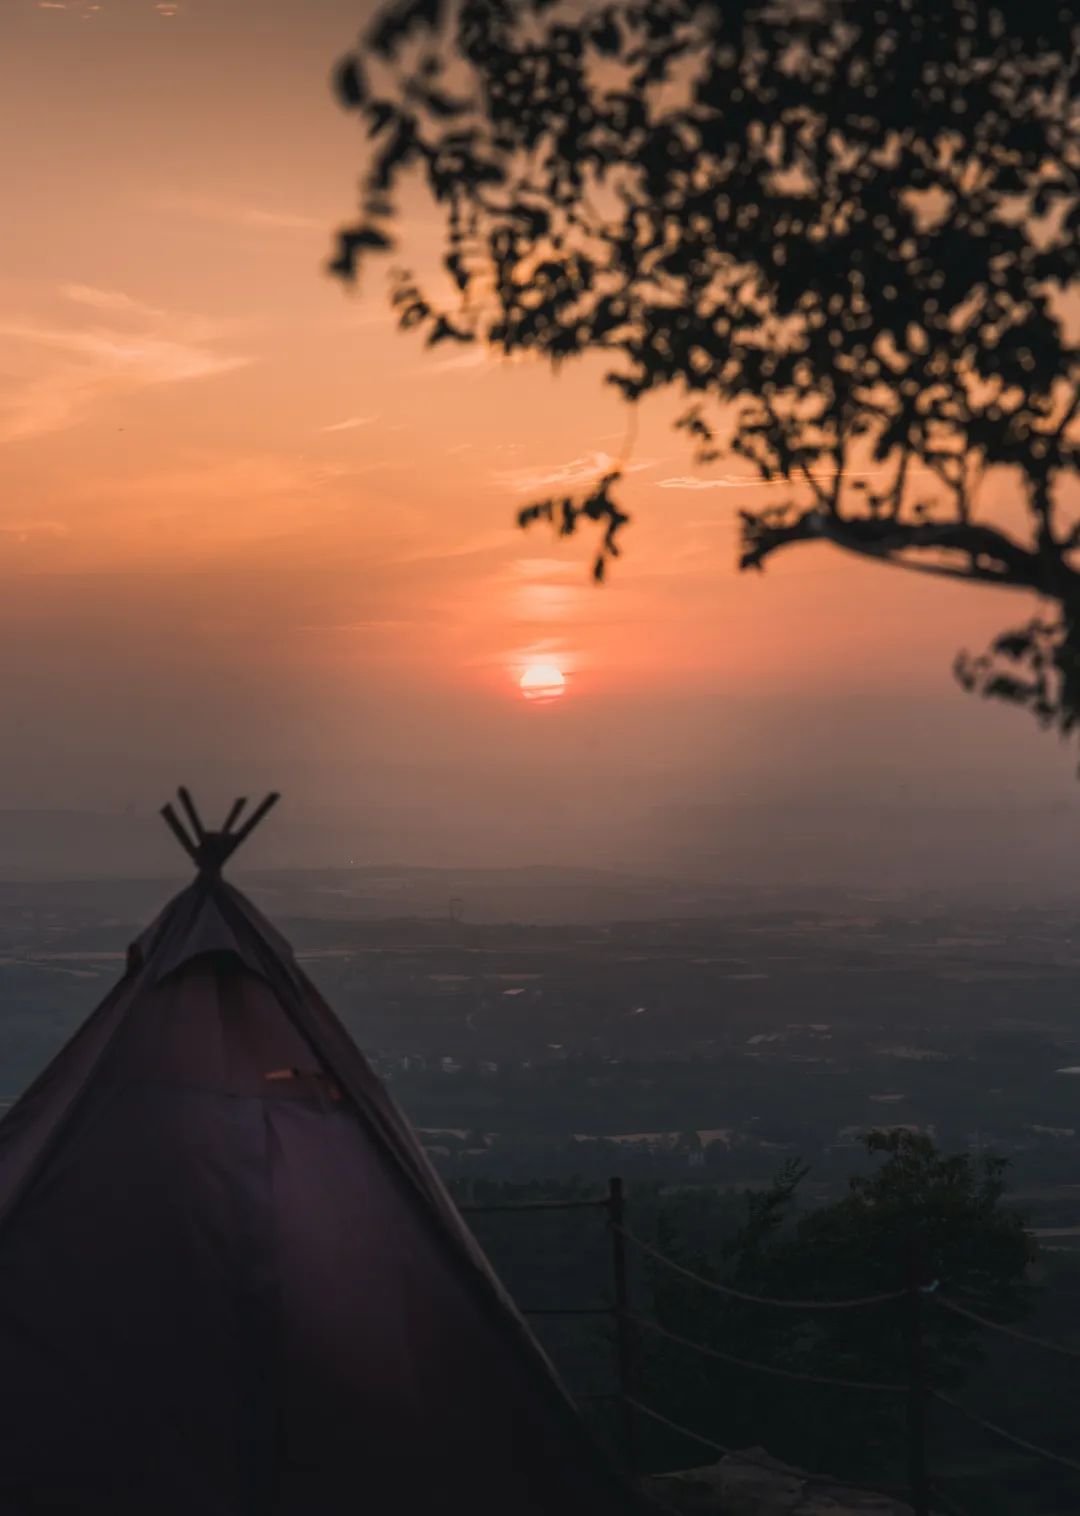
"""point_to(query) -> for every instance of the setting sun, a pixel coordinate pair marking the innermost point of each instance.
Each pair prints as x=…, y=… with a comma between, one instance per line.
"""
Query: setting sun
x=542, y=681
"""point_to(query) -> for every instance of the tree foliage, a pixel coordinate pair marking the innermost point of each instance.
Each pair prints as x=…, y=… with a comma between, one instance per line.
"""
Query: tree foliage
x=920, y=1210
x=844, y=230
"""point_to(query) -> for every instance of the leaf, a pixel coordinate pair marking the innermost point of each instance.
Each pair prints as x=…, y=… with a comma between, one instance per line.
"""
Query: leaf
x=444, y=331
x=395, y=23
x=380, y=114
x=396, y=154
x=413, y=314
x=542, y=510
x=1014, y=644
x=455, y=267
x=351, y=88
x=606, y=36
x=446, y=107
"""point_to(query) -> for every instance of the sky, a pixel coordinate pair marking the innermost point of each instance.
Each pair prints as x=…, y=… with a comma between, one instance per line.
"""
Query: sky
x=253, y=536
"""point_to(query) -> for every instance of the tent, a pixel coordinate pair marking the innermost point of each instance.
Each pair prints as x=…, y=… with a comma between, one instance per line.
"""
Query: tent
x=231, y=1284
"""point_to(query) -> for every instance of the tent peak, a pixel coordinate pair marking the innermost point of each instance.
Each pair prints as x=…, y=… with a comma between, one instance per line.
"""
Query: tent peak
x=211, y=850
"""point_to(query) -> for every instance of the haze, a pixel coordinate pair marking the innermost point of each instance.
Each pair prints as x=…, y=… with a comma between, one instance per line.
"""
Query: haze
x=250, y=535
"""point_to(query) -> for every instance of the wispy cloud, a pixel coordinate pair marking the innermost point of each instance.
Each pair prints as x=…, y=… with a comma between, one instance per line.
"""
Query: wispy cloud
x=546, y=568
x=746, y=482
x=24, y=531
x=106, y=300
x=155, y=358
x=257, y=218
x=472, y=357
x=196, y=506
x=690, y=482
x=362, y=317
x=89, y=10
x=263, y=477
x=65, y=365
x=352, y=424
x=480, y=545
x=588, y=468
x=375, y=623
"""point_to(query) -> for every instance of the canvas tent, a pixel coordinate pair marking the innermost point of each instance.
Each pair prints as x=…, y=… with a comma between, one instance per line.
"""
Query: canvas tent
x=230, y=1281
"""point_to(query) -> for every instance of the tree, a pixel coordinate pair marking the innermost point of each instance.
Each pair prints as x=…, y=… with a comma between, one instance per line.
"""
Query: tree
x=844, y=230
x=940, y=1214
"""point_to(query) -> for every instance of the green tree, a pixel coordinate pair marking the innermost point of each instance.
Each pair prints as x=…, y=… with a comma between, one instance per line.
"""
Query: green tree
x=844, y=230
x=917, y=1209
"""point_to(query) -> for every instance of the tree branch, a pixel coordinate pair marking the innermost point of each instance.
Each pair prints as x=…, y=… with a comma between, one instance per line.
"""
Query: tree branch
x=993, y=558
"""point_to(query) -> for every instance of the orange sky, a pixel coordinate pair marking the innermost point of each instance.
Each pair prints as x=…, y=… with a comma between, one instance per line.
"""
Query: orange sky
x=249, y=531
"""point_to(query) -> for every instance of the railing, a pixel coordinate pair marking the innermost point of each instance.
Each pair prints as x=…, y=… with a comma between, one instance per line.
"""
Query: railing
x=914, y=1389
x=618, y=1312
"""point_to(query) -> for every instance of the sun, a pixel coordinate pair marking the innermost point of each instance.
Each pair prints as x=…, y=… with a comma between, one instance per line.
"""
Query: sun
x=542, y=681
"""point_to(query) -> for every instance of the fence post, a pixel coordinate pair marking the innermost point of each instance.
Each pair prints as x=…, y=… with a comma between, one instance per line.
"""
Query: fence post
x=918, y=1477
x=624, y=1345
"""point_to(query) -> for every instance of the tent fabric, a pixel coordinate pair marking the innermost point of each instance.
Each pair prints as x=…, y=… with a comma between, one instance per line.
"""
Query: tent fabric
x=229, y=1294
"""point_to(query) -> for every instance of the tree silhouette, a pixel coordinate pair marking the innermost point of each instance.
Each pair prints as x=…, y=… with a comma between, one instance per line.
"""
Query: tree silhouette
x=846, y=231
x=946, y=1212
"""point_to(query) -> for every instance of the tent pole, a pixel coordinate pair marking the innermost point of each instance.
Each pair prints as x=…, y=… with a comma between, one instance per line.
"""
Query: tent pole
x=194, y=819
x=234, y=815
x=253, y=820
x=177, y=830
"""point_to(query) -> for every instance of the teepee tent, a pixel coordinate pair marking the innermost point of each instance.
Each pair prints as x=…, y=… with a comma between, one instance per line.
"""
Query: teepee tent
x=231, y=1283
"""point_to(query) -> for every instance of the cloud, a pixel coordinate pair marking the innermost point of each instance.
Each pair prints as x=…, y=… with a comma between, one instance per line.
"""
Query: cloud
x=357, y=626
x=488, y=544
x=546, y=568
x=688, y=482
x=251, y=475
x=152, y=358
x=25, y=530
x=589, y=468
x=193, y=506
x=45, y=404
x=63, y=367
x=474, y=357
x=233, y=213
x=364, y=317
x=351, y=425
x=101, y=300
x=471, y=357
x=747, y=482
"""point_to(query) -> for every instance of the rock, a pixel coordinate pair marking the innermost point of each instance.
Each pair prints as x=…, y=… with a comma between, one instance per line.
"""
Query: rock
x=752, y=1483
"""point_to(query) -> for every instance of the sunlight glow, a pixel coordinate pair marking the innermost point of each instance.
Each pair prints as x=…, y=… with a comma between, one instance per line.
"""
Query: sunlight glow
x=542, y=681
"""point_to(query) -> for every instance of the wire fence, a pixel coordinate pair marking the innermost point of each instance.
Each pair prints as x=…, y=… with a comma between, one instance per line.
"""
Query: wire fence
x=796, y=1375
x=1007, y=1331
x=919, y=1395
x=725, y=1289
